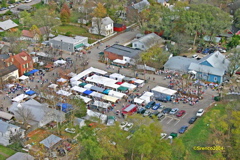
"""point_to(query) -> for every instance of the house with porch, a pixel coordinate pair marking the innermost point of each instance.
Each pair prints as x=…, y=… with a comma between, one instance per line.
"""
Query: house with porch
x=212, y=67
x=69, y=44
x=102, y=26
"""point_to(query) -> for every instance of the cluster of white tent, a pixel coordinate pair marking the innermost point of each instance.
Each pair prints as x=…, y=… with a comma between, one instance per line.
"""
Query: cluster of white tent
x=145, y=98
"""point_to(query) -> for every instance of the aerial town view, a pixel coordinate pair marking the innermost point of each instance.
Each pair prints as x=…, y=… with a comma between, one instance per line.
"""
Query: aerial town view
x=119, y=79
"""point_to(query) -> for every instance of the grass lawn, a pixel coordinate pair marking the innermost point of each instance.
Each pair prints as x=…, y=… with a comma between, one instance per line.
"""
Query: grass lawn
x=4, y=151
x=198, y=135
x=77, y=30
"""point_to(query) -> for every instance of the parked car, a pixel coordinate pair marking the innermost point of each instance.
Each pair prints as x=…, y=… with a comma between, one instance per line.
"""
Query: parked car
x=69, y=59
x=173, y=135
x=206, y=51
x=161, y=99
x=163, y=135
x=200, y=112
x=141, y=110
x=182, y=129
x=155, y=113
x=123, y=124
x=180, y=113
x=128, y=127
x=195, y=56
x=174, y=111
x=199, y=49
x=3, y=9
x=160, y=116
x=156, y=106
x=192, y=120
x=166, y=110
x=70, y=130
x=146, y=113
x=111, y=120
x=11, y=6
x=28, y=1
x=150, y=105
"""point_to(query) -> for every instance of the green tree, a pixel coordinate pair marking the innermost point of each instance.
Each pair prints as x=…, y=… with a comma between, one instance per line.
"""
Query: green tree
x=4, y=3
x=235, y=40
x=234, y=59
x=237, y=18
x=100, y=11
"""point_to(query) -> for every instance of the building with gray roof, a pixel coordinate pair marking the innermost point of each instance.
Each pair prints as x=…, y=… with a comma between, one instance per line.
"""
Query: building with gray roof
x=8, y=130
x=70, y=44
x=147, y=41
x=21, y=156
x=7, y=25
x=50, y=141
x=210, y=68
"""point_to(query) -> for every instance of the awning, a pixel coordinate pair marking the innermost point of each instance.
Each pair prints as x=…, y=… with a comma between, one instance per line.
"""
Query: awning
x=23, y=77
x=95, y=88
x=65, y=107
x=101, y=104
x=116, y=94
x=101, y=53
x=109, y=98
x=119, y=83
x=88, y=86
x=78, y=89
x=31, y=72
x=82, y=84
x=122, y=89
x=79, y=45
x=138, y=101
x=96, y=94
x=30, y=92
x=87, y=92
x=5, y=115
x=106, y=91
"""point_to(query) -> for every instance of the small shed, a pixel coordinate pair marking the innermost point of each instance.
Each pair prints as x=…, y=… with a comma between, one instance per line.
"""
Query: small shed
x=50, y=141
x=119, y=27
x=79, y=122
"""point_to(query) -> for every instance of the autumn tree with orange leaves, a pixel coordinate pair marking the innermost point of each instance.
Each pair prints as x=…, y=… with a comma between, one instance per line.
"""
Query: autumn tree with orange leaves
x=65, y=14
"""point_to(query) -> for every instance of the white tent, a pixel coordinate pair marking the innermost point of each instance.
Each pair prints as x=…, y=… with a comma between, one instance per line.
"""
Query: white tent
x=59, y=62
x=101, y=104
x=42, y=54
x=102, y=117
x=53, y=86
x=117, y=77
x=192, y=72
x=78, y=89
x=109, y=98
x=146, y=99
x=23, y=77
x=64, y=93
x=119, y=61
x=71, y=74
x=116, y=94
x=62, y=80
x=96, y=94
x=129, y=86
x=164, y=90
x=88, y=86
x=138, y=101
x=85, y=99
x=148, y=94
x=138, y=81
x=75, y=83
x=20, y=98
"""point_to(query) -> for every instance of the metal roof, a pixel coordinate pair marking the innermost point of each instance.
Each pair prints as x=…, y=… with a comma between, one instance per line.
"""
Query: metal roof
x=8, y=24
x=51, y=141
x=149, y=40
x=123, y=50
x=21, y=156
x=67, y=39
x=4, y=126
x=179, y=63
x=206, y=69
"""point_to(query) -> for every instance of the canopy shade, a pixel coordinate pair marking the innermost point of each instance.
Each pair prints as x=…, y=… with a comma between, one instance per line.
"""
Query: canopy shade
x=95, y=88
x=82, y=84
x=87, y=92
x=106, y=91
x=65, y=107
x=123, y=89
x=31, y=72
x=101, y=104
x=30, y=92
x=78, y=89
x=110, y=98
x=96, y=94
x=79, y=45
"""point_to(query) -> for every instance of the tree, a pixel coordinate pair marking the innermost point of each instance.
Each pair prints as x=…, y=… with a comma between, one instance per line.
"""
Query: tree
x=4, y=3
x=46, y=19
x=25, y=115
x=237, y=18
x=98, y=13
x=25, y=18
x=234, y=62
x=234, y=41
x=35, y=29
x=65, y=14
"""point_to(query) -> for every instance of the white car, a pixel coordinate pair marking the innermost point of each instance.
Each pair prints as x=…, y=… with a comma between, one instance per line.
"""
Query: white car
x=123, y=124
x=200, y=112
x=195, y=56
x=128, y=127
x=27, y=1
x=70, y=130
x=174, y=111
x=146, y=113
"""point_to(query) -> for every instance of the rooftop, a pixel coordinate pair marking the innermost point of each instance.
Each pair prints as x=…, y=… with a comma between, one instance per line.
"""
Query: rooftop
x=67, y=39
x=8, y=24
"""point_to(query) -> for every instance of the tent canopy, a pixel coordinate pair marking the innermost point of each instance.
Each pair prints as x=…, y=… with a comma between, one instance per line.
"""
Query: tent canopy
x=19, y=98
x=122, y=89
x=128, y=85
x=87, y=92
x=116, y=94
x=95, y=88
x=30, y=92
x=164, y=90
x=101, y=104
x=53, y=86
x=62, y=80
x=96, y=94
x=82, y=84
x=31, y=72
x=106, y=91
x=64, y=93
x=78, y=89
x=23, y=77
x=88, y=86
x=138, y=100
x=65, y=107
x=110, y=98
x=5, y=115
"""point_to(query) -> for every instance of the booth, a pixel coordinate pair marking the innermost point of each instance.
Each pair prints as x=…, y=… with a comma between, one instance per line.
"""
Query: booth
x=87, y=92
x=65, y=107
x=116, y=94
x=85, y=99
x=117, y=77
x=162, y=92
x=88, y=86
x=122, y=89
x=138, y=101
x=30, y=92
x=31, y=72
x=110, y=98
x=78, y=89
x=106, y=91
x=64, y=93
x=101, y=104
x=96, y=94
x=53, y=86
x=20, y=98
x=62, y=81
x=98, y=89
x=131, y=87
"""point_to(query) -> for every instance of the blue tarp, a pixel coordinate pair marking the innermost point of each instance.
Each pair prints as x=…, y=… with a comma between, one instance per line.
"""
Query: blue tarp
x=87, y=92
x=65, y=107
x=106, y=91
x=33, y=71
x=30, y=92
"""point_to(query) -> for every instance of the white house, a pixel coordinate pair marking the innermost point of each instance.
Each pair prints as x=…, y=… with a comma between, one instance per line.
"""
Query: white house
x=40, y=113
x=7, y=131
x=79, y=122
x=70, y=44
x=147, y=41
x=105, y=25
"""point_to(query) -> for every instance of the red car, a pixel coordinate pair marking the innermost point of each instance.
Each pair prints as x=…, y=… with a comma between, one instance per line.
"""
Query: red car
x=180, y=113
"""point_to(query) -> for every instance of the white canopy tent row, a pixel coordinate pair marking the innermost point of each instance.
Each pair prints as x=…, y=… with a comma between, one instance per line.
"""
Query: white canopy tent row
x=164, y=90
x=116, y=94
x=117, y=76
x=137, y=81
x=59, y=62
x=88, y=86
x=110, y=98
x=75, y=83
x=86, y=72
x=64, y=93
x=19, y=98
x=138, y=101
x=96, y=94
x=78, y=89
x=101, y=104
x=146, y=97
x=129, y=86
x=108, y=82
x=85, y=99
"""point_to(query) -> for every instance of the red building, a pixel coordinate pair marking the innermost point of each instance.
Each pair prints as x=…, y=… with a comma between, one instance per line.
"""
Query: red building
x=23, y=61
x=129, y=109
x=119, y=27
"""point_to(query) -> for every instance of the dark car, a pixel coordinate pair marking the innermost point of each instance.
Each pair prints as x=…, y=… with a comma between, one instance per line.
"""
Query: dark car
x=173, y=134
x=166, y=110
x=161, y=99
x=180, y=113
x=156, y=106
x=150, y=105
x=155, y=113
x=69, y=59
x=192, y=120
x=141, y=110
x=206, y=51
x=2, y=9
x=182, y=129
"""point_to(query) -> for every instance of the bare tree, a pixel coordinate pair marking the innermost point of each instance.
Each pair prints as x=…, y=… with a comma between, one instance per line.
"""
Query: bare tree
x=25, y=115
